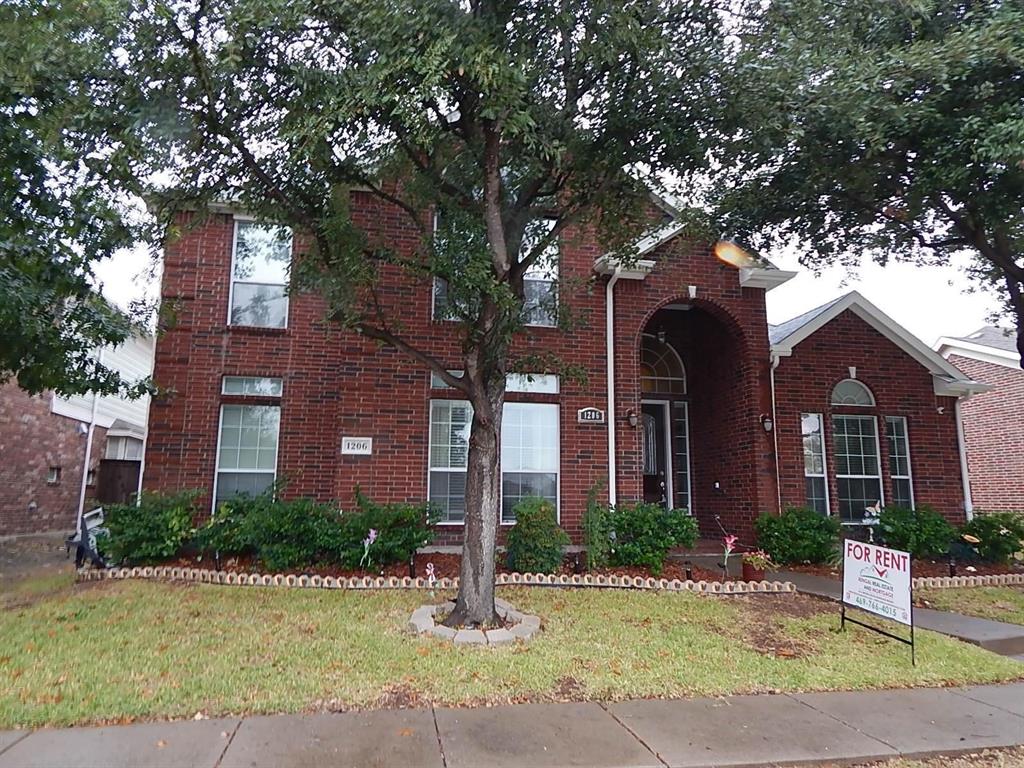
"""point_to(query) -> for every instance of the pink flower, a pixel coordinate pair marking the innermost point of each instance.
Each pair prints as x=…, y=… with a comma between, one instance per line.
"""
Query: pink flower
x=730, y=542
x=373, y=535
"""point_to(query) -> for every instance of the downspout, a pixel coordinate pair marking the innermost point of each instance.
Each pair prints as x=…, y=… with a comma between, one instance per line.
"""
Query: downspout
x=962, y=445
x=609, y=304
x=88, y=443
x=775, y=360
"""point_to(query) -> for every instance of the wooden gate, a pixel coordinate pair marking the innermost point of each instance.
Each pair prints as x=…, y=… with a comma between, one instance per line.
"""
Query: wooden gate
x=117, y=481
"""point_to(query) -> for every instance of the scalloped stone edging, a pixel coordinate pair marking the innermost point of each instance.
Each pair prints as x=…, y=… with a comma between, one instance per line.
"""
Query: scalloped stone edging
x=952, y=582
x=231, y=578
x=524, y=625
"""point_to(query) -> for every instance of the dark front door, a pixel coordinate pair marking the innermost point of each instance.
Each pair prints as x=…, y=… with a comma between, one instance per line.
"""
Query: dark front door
x=656, y=461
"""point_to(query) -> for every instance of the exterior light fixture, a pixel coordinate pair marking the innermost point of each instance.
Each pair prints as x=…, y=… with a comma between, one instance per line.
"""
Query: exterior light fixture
x=632, y=418
x=661, y=335
x=767, y=422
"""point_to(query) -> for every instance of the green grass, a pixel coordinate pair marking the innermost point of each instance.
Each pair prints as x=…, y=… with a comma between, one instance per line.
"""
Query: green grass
x=999, y=603
x=116, y=651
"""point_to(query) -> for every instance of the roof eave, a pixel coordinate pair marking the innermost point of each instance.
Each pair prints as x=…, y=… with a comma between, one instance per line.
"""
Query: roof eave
x=759, y=277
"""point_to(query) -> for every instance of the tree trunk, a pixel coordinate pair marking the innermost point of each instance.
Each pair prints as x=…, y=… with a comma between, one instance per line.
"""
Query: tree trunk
x=474, y=605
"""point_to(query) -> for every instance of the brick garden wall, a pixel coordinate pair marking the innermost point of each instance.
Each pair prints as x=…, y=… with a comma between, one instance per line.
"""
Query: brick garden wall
x=994, y=433
x=901, y=386
x=33, y=439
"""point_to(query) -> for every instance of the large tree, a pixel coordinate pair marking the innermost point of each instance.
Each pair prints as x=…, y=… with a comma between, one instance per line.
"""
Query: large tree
x=886, y=127
x=512, y=121
x=60, y=212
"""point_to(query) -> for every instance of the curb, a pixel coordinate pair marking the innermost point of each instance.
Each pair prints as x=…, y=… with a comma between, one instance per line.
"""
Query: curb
x=231, y=578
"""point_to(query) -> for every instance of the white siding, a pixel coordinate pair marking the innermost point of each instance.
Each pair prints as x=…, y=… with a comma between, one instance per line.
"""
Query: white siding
x=134, y=361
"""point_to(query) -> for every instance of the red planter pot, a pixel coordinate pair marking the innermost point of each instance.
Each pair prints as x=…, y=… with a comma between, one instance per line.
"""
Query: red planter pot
x=750, y=573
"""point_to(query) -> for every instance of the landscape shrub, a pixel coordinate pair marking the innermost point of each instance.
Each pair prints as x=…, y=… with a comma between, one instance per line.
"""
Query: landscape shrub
x=922, y=532
x=535, y=542
x=798, y=535
x=155, y=529
x=642, y=534
x=401, y=529
x=295, y=533
x=597, y=529
x=1001, y=534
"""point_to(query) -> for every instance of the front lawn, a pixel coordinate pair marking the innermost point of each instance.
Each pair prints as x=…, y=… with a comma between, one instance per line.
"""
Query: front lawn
x=117, y=651
x=998, y=603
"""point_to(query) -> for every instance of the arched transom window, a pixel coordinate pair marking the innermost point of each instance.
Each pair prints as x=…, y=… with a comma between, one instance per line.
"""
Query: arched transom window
x=852, y=392
x=661, y=369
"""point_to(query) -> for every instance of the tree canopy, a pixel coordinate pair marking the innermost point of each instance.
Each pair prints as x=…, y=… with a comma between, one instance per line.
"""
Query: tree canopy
x=60, y=201
x=894, y=129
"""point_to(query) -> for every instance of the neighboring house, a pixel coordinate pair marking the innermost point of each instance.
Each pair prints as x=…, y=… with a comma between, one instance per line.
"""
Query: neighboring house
x=993, y=420
x=677, y=407
x=44, y=439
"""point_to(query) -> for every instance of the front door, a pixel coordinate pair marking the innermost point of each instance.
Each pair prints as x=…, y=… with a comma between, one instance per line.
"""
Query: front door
x=657, y=454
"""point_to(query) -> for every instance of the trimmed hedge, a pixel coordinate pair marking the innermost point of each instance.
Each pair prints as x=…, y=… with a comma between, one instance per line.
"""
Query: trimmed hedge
x=798, y=535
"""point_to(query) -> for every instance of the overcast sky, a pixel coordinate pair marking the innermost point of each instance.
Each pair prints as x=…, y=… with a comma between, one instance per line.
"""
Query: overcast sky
x=928, y=301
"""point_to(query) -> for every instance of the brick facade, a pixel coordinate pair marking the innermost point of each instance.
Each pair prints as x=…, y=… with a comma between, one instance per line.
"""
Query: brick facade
x=901, y=387
x=32, y=440
x=337, y=383
x=994, y=433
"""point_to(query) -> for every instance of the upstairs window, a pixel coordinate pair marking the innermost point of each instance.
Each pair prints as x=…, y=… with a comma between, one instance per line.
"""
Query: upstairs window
x=851, y=392
x=259, y=275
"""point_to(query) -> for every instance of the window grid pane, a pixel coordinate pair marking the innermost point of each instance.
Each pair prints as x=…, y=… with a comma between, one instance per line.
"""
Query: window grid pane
x=682, y=457
x=259, y=275
x=260, y=386
x=247, y=462
x=529, y=454
x=899, y=461
x=858, y=470
x=450, y=422
x=811, y=426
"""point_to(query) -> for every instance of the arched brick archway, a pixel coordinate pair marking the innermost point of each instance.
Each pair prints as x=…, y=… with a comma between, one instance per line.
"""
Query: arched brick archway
x=716, y=459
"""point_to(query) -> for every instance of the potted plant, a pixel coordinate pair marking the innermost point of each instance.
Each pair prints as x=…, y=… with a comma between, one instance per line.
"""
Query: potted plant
x=755, y=564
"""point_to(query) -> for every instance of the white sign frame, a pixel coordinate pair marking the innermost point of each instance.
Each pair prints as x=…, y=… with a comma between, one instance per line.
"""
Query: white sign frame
x=878, y=580
x=581, y=415
x=356, y=446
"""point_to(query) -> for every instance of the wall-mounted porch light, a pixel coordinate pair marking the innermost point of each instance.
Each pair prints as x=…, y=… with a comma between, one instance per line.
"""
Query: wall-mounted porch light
x=632, y=418
x=767, y=422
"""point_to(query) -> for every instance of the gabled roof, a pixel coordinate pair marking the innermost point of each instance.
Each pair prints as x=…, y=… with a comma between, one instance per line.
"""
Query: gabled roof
x=989, y=343
x=947, y=378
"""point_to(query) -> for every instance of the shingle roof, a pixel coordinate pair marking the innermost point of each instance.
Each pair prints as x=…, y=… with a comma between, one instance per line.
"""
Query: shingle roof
x=990, y=336
x=782, y=331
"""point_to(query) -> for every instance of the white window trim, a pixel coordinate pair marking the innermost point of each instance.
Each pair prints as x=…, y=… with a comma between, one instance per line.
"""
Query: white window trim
x=689, y=457
x=231, y=279
x=225, y=377
x=909, y=477
x=558, y=471
x=858, y=382
x=878, y=457
x=216, y=463
x=824, y=459
x=430, y=469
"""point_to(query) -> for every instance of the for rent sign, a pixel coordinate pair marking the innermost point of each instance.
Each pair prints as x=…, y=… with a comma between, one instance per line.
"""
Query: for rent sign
x=877, y=580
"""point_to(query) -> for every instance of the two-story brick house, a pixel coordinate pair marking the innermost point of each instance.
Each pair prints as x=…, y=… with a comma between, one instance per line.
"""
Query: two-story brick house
x=687, y=399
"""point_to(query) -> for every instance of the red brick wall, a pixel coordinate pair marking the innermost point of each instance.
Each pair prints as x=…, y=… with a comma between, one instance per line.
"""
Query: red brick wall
x=994, y=433
x=33, y=439
x=901, y=386
x=338, y=383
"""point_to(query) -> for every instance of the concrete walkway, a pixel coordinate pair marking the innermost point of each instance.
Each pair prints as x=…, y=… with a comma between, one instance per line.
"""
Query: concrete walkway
x=736, y=731
x=996, y=636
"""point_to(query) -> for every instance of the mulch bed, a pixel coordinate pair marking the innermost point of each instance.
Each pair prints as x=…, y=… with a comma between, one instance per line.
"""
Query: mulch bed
x=922, y=568
x=446, y=566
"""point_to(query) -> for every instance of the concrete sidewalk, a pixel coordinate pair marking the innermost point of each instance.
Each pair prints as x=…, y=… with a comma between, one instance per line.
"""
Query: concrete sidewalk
x=996, y=636
x=735, y=731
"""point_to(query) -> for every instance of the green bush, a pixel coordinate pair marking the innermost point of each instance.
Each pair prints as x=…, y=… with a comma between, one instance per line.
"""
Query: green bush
x=535, y=542
x=922, y=532
x=798, y=535
x=156, y=529
x=597, y=529
x=401, y=530
x=642, y=534
x=297, y=533
x=1001, y=534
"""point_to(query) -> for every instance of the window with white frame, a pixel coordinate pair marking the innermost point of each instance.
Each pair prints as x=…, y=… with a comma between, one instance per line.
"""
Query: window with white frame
x=858, y=465
x=899, y=461
x=529, y=455
x=815, y=476
x=540, y=282
x=257, y=386
x=450, y=422
x=259, y=275
x=123, y=448
x=247, y=452
x=851, y=392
